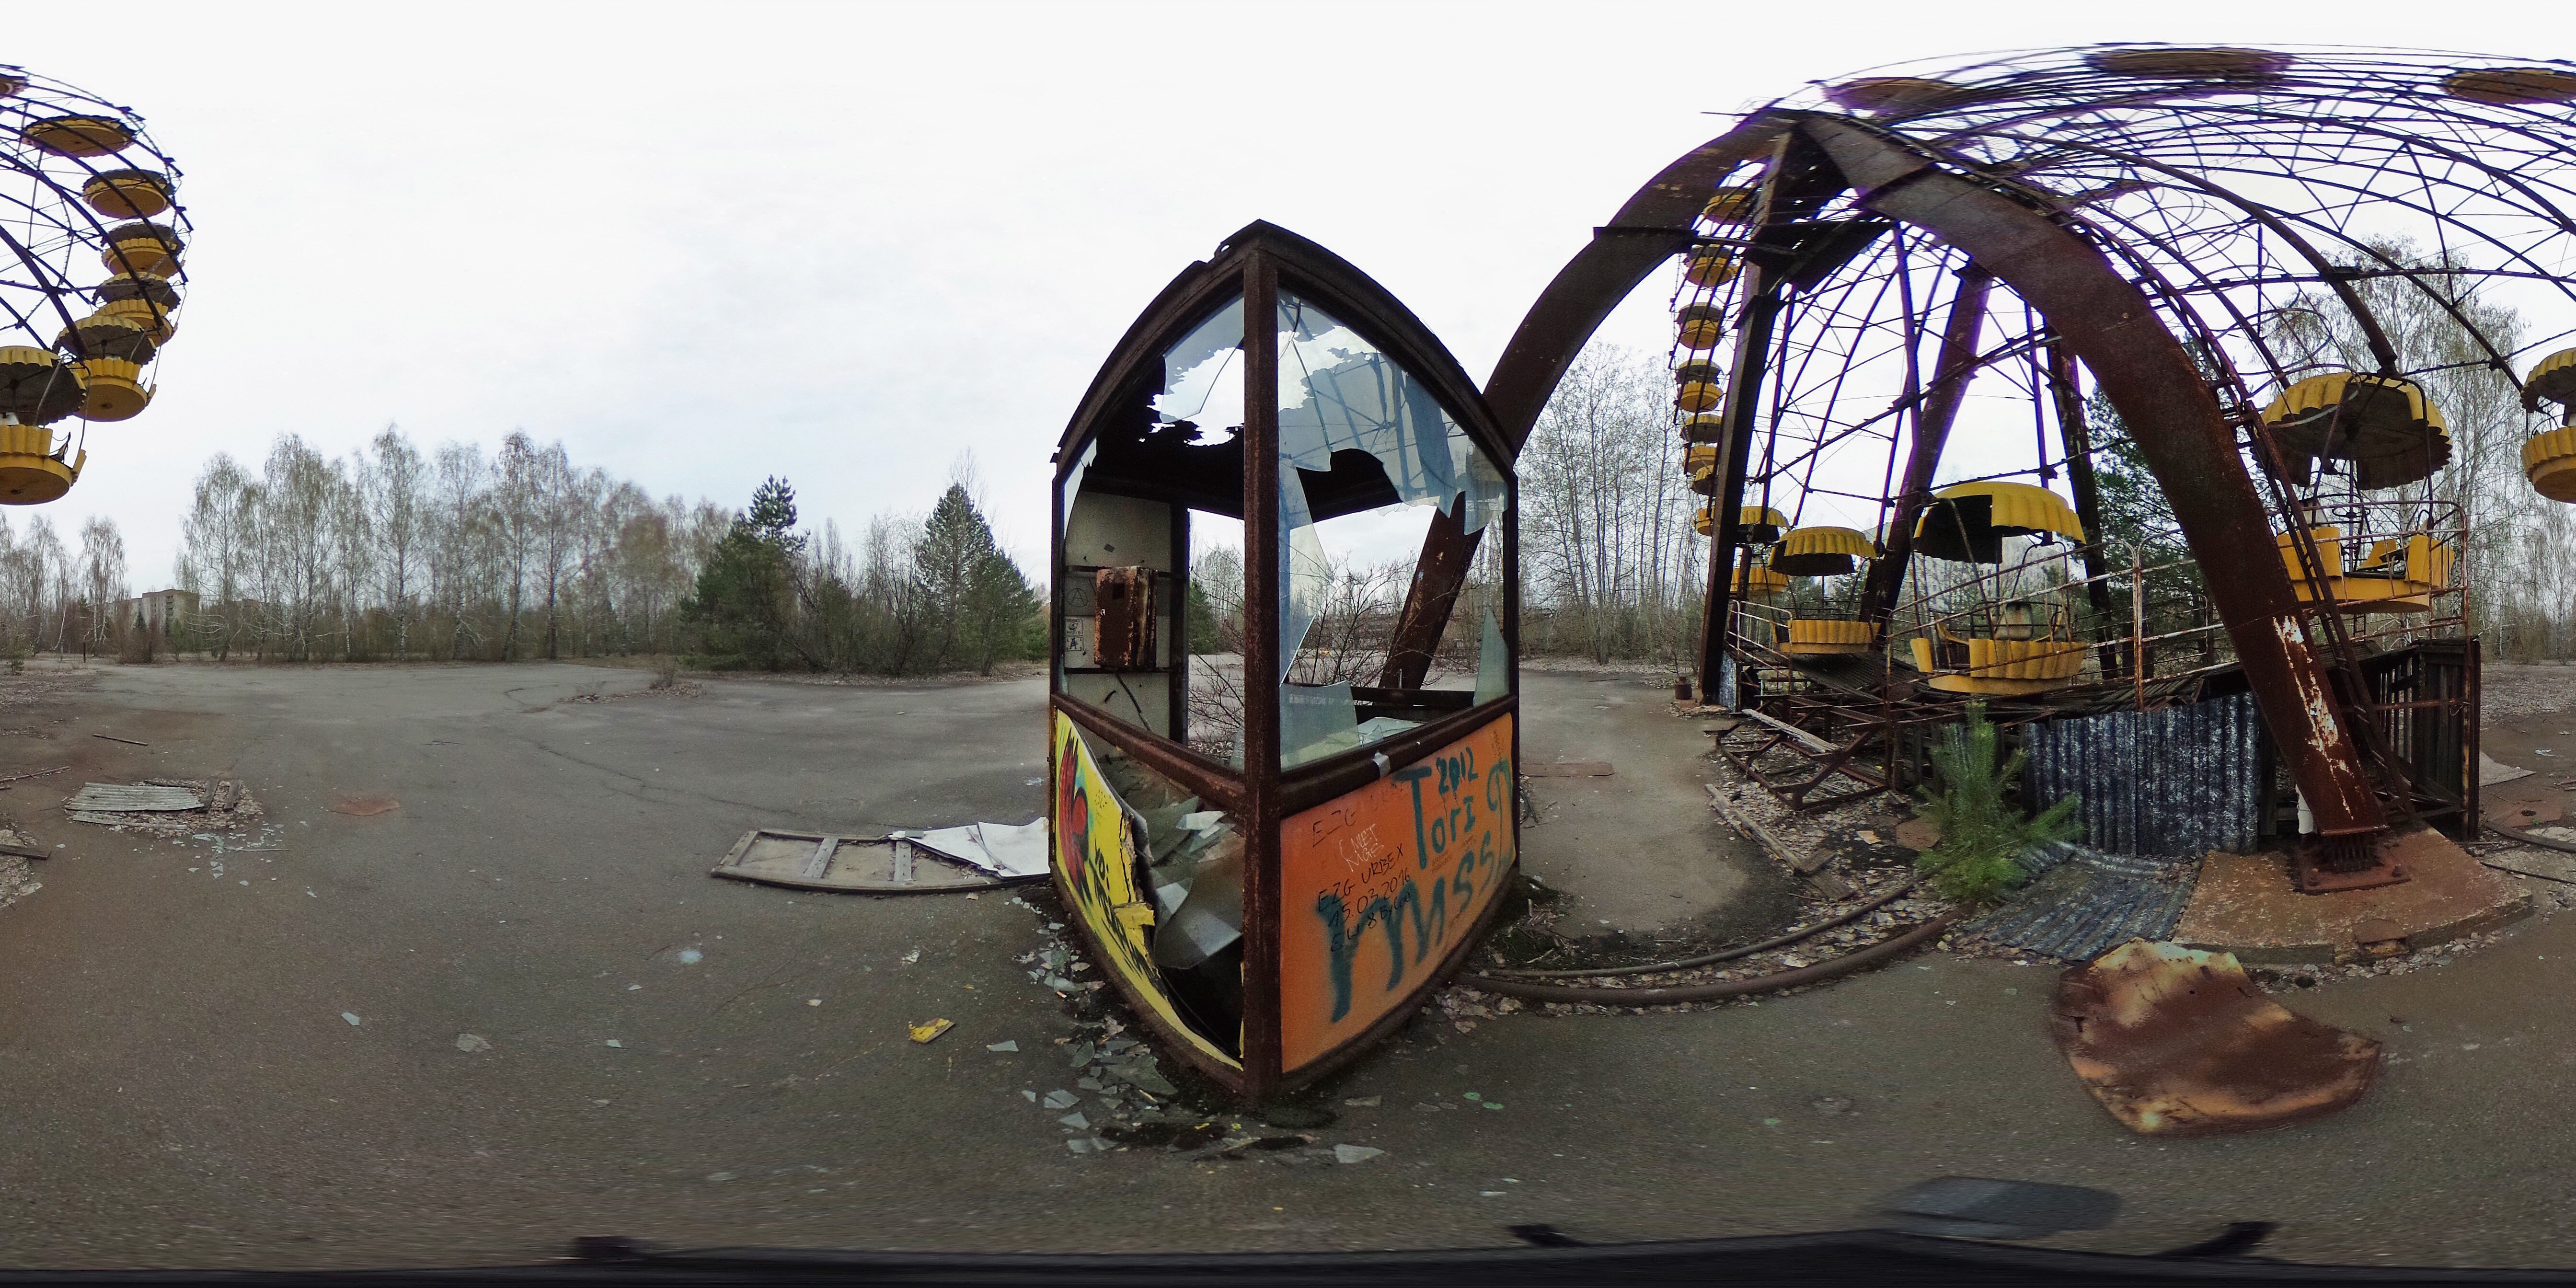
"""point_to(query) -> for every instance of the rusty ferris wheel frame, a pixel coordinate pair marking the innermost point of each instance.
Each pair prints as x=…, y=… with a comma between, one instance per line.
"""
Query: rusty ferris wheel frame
x=2155, y=211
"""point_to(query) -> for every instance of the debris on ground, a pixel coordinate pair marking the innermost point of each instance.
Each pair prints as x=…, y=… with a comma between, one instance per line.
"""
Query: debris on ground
x=2492, y=772
x=930, y=1032
x=17, y=880
x=364, y=806
x=471, y=1042
x=2173, y=1041
x=977, y=856
x=1011, y=853
x=131, y=798
x=170, y=808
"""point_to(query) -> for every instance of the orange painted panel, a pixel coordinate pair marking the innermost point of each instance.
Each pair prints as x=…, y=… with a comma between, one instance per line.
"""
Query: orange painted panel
x=1377, y=886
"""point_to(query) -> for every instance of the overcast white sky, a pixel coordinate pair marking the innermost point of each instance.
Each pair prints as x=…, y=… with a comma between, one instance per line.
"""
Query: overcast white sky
x=847, y=242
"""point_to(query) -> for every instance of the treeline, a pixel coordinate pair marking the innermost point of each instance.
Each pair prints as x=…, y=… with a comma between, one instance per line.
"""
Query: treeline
x=393, y=553
x=1611, y=566
x=50, y=588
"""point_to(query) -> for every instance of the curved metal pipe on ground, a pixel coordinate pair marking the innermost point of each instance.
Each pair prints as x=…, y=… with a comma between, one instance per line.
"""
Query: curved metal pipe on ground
x=1883, y=950
x=1723, y=955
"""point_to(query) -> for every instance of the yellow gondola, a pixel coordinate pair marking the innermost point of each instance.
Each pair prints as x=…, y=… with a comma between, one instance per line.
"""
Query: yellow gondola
x=2512, y=86
x=1891, y=95
x=127, y=194
x=1760, y=525
x=2401, y=576
x=2549, y=457
x=2549, y=461
x=1702, y=326
x=2033, y=650
x=2194, y=64
x=78, y=136
x=1967, y=522
x=1732, y=206
x=32, y=471
x=35, y=389
x=2385, y=425
x=1711, y=267
x=142, y=247
x=1763, y=582
x=1824, y=552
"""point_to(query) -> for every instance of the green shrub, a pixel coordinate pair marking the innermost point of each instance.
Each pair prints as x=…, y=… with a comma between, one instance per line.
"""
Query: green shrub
x=1982, y=835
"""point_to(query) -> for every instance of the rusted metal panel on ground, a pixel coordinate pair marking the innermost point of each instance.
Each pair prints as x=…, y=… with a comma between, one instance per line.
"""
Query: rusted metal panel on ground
x=2177, y=1042
x=1123, y=619
x=2108, y=323
x=2180, y=780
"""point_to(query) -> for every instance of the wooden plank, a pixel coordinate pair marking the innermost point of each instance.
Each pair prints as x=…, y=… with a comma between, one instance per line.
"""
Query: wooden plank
x=1803, y=738
x=850, y=865
x=816, y=866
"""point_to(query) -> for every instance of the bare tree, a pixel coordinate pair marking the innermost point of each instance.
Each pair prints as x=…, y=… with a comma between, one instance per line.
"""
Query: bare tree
x=397, y=509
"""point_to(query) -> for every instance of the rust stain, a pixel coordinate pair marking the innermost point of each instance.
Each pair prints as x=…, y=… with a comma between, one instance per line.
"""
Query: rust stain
x=2177, y=1042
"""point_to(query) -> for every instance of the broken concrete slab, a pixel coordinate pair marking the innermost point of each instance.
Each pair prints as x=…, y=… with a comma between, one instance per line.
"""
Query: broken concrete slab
x=2173, y=1041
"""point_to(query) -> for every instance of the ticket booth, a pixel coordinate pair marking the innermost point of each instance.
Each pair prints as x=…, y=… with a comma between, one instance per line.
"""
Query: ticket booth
x=1278, y=846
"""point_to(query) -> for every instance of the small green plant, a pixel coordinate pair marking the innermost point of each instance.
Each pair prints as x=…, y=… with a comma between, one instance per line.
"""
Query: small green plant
x=1982, y=835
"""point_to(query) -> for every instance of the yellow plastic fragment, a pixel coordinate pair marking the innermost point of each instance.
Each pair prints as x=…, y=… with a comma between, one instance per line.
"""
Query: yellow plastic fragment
x=931, y=1031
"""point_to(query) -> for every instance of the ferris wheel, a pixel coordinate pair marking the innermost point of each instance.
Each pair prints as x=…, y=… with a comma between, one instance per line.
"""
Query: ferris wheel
x=94, y=240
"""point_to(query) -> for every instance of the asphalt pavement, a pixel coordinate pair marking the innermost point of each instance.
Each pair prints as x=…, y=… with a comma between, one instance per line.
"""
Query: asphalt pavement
x=699, y=1062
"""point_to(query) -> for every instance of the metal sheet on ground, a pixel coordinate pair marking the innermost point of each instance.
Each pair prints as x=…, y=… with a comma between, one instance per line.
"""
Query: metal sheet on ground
x=2177, y=1042
x=858, y=865
x=133, y=798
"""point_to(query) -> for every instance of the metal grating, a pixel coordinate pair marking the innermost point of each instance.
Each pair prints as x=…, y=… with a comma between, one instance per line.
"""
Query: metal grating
x=2085, y=903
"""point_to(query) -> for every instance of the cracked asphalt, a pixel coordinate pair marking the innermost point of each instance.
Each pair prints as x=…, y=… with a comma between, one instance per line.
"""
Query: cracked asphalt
x=183, y=1090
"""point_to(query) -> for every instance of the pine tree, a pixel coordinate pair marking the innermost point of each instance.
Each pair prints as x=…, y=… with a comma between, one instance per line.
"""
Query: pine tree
x=980, y=599
x=746, y=594
x=1982, y=835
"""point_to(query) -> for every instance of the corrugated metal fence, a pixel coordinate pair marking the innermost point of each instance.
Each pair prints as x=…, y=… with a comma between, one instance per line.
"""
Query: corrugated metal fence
x=2183, y=780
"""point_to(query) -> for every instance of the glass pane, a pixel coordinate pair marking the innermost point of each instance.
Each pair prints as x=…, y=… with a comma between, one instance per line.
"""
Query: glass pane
x=1119, y=579
x=1366, y=455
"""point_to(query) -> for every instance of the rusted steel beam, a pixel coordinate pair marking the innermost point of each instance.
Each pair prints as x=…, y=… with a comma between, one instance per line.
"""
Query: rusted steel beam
x=1264, y=577
x=1951, y=371
x=1448, y=551
x=2108, y=323
x=1656, y=224
x=2078, y=437
x=1734, y=450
